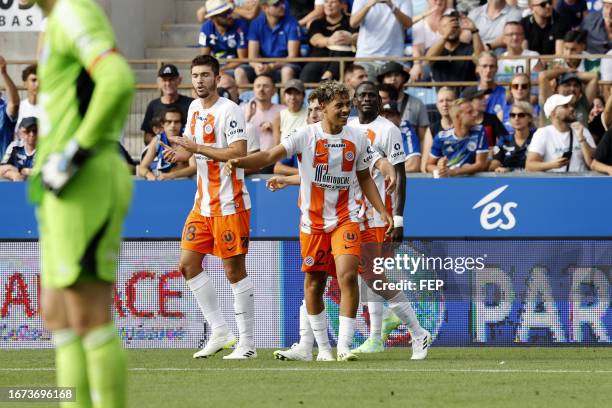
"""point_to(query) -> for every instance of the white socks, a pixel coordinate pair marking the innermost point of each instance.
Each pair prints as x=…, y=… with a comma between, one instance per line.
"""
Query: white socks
x=375, y=309
x=244, y=307
x=204, y=291
x=345, y=334
x=306, y=334
x=400, y=305
x=318, y=323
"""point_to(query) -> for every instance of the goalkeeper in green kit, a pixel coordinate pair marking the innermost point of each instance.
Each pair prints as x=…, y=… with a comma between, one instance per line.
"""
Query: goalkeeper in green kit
x=83, y=190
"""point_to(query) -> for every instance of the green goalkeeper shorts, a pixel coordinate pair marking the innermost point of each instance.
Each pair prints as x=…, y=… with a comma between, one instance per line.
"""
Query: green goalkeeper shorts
x=80, y=231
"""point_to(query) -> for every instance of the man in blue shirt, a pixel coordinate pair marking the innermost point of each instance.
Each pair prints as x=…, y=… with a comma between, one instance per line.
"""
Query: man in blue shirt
x=273, y=34
x=16, y=165
x=486, y=70
x=221, y=35
x=8, y=109
x=462, y=149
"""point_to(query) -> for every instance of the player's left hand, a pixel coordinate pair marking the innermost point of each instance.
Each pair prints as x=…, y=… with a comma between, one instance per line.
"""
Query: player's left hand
x=172, y=155
x=388, y=219
x=390, y=182
x=59, y=168
x=185, y=142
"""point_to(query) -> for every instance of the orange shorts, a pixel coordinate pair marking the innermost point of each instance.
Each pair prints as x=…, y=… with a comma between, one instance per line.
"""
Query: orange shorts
x=224, y=236
x=371, y=235
x=318, y=250
x=374, y=244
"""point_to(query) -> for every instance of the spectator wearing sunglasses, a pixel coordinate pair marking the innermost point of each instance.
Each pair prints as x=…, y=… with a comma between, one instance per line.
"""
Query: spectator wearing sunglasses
x=222, y=35
x=511, y=150
x=544, y=28
x=518, y=91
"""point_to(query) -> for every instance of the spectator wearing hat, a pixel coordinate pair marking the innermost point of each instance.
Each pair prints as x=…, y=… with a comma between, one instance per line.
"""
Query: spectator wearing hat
x=444, y=98
x=288, y=120
x=410, y=138
x=569, y=83
x=565, y=144
x=9, y=109
x=413, y=110
x=544, y=28
x=382, y=26
x=223, y=36
x=245, y=9
x=510, y=152
x=598, y=25
x=168, y=81
x=330, y=37
x=492, y=126
x=462, y=149
x=274, y=33
x=490, y=19
x=16, y=165
x=450, y=45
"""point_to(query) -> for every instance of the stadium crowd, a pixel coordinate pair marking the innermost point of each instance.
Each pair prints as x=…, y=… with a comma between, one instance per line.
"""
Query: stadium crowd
x=529, y=124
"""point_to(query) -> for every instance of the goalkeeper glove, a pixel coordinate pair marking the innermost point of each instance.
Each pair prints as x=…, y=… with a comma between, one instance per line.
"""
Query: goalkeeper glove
x=61, y=167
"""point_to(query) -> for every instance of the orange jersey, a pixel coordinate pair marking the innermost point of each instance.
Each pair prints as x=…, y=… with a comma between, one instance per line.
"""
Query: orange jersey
x=328, y=164
x=218, y=126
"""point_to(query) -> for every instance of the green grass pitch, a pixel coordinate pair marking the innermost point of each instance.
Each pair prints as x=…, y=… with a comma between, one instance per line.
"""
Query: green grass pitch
x=450, y=377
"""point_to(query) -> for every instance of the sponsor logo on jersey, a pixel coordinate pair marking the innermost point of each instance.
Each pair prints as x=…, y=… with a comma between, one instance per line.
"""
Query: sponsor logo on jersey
x=328, y=181
x=335, y=145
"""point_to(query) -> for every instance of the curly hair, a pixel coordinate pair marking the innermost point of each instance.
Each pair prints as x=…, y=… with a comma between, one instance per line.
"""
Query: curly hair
x=330, y=90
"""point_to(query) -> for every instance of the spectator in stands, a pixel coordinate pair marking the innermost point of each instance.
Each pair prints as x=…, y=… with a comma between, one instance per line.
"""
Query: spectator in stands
x=316, y=13
x=260, y=111
x=154, y=166
x=493, y=128
x=574, y=43
x=16, y=165
x=410, y=138
x=569, y=83
x=388, y=93
x=330, y=37
x=294, y=115
x=222, y=36
x=602, y=158
x=514, y=38
x=27, y=107
x=382, y=26
x=168, y=80
x=413, y=110
x=598, y=25
x=490, y=20
x=246, y=9
x=544, y=28
x=486, y=71
x=272, y=34
x=450, y=45
x=550, y=147
x=228, y=84
x=445, y=97
x=354, y=74
x=595, y=124
x=573, y=11
x=461, y=150
x=605, y=69
x=8, y=109
x=510, y=152
x=425, y=33
x=518, y=91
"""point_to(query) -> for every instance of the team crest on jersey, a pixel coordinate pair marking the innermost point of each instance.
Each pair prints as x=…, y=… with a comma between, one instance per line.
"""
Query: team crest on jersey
x=208, y=128
x=349, y=156
x=471, y=146
x=309, y=261
x=228, y=236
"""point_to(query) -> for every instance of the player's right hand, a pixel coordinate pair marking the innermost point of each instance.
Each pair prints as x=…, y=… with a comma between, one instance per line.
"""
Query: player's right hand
x=276, y=183
x=230, y=165
x=173, y=155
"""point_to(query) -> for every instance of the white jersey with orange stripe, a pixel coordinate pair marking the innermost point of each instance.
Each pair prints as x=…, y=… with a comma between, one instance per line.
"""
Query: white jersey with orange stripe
x=329, y=191
x=218, y=126
x=386, y=139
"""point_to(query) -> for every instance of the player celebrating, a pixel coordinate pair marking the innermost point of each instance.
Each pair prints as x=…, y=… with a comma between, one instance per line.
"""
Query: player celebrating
x=86, y=89
x=219, y=221
x=334, y=165
x=386, y=139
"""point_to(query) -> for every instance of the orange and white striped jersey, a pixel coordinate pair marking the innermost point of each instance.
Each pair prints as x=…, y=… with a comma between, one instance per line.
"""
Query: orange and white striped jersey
x=328, y=165
x=218, y=126
x=386, y=139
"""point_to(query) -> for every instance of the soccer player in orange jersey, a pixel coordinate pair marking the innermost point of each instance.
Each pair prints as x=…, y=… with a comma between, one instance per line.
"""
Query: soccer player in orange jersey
x=334, y=165
x=218, y=224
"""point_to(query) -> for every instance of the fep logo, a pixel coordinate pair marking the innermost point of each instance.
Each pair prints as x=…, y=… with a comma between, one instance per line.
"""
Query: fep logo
x=491, y=215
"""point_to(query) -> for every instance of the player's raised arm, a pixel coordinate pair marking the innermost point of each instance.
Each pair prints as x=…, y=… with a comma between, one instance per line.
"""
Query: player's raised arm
x=371, y=192
x=234, y=150
x=257, y=160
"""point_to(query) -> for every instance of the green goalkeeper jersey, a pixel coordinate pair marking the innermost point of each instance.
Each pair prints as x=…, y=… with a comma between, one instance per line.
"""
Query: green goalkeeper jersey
x=78, y=100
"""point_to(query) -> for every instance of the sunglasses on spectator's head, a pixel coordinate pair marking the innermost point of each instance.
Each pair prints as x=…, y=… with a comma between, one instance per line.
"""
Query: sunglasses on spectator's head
x=544, y=4
x=519, y=115
x=520, y=86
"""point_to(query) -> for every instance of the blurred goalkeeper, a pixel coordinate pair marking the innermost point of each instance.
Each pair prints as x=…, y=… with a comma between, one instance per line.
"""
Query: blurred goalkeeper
x=83, y=190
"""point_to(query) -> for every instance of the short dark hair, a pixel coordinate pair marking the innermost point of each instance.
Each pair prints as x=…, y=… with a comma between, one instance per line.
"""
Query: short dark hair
x=352, y=68
x=171, y=109
x=265, y=76
x=367, y=83
x=314, y=95
x=206, y=60
x=390, y=90
x=27, y=71
x=577, y=36
x=156, y=121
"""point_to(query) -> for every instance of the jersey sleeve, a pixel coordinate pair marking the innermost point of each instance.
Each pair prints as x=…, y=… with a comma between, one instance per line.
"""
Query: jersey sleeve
x=483, y=143
x=393, y=146
x=538, y=143
x=204, y=34
x=589, y=138
x=235, y=126
x=188, y=132
x=295, y=142
x=365, y=154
